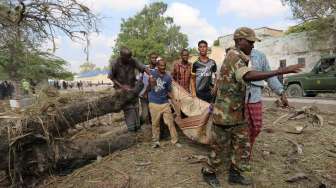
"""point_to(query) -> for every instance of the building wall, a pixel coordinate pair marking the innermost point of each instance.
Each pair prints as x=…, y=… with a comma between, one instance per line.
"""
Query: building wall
x=288, y=47
x=292, y=47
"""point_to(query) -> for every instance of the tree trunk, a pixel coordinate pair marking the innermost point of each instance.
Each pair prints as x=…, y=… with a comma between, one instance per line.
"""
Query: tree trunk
x=13, y=70
x=62, y=157
x=39, y=132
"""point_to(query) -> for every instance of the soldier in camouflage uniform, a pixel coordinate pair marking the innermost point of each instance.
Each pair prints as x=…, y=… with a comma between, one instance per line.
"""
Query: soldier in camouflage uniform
x=230, y=126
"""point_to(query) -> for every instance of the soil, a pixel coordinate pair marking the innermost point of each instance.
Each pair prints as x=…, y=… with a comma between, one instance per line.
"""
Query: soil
x=275, y=158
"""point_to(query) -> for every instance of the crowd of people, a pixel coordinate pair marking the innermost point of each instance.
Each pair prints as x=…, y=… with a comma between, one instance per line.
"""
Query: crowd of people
x=62, y=84
x=6, y=90
x=233, y=92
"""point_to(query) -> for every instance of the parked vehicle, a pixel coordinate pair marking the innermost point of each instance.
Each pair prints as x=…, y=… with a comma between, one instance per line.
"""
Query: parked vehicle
x=321, y=79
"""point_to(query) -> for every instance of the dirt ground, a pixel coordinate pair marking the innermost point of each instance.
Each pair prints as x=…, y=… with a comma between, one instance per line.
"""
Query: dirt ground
x=275, y=159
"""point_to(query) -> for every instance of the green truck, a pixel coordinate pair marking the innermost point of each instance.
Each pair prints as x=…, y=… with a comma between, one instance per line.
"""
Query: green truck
x=321, y=79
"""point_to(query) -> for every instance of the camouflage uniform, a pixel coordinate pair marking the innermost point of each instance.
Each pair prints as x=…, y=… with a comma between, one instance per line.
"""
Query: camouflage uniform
x=228, y=116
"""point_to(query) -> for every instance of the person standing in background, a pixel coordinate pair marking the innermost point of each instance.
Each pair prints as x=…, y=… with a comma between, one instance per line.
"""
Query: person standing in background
x=145, y=115
x=201, y=74
x=182, y=71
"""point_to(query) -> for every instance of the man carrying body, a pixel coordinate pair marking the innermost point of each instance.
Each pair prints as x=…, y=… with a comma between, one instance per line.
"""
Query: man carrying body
x=159, y=105
x=182, y=71
x=232, y=141
x=145, y=116
x=201, y=74
x=124, y=78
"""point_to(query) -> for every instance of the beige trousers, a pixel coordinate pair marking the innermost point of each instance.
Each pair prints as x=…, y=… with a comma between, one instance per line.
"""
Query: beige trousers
x=162, y=110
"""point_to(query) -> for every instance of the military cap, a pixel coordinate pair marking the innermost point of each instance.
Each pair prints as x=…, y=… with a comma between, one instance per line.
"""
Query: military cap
x=245, y=33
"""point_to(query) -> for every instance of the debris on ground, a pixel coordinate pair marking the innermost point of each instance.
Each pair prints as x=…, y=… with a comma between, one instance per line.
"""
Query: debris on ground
x=279, y=160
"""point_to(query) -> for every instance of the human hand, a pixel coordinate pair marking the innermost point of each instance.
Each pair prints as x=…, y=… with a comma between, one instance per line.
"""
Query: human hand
x=284, y=100
x=152, y=81
x=292, y=69
x=214, y=91
x=126, y=88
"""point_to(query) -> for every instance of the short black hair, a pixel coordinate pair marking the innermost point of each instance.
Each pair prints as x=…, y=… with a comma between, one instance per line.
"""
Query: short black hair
x=152, y=53
x=184, y=50
x=202, y=42
x=161, y=60
x=124, y=51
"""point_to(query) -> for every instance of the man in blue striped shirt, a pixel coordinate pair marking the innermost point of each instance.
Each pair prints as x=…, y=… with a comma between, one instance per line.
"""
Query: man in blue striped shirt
x=253, y=107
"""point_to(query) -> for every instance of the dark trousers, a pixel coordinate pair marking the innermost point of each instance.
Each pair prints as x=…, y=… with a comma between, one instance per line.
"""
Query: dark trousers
x=132, y=119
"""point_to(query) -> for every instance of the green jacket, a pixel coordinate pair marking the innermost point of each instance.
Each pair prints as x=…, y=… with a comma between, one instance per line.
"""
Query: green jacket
x=229, y=104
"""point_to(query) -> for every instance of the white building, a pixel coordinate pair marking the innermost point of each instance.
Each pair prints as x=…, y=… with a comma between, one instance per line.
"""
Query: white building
x=289, y=49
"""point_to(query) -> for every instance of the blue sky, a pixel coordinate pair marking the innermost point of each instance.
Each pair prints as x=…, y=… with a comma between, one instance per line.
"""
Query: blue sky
x=199, y=19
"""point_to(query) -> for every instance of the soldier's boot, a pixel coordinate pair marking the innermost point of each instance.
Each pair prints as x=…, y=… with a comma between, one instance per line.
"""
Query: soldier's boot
x=210, y=177
x=235, y=177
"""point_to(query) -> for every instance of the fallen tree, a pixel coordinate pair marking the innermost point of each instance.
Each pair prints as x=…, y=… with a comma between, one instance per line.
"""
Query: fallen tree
x=31, y=145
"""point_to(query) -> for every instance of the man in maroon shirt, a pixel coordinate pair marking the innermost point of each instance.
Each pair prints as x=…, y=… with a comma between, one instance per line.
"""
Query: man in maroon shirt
x=182, y=71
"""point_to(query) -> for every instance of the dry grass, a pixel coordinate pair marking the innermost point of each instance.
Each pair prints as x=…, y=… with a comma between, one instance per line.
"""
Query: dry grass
x=274, y=160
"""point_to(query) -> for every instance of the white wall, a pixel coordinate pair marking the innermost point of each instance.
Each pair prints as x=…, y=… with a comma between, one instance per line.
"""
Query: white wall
x=289, y=47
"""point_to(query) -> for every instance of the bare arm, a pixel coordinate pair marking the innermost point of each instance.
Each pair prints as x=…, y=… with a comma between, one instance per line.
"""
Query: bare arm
x=174, y=74
x=193, y=80
x=146, y=70
x=152, y=83
x=215, y=88
x=170, y=95
x=193, y=85
x=258, y=75
x=142, y=68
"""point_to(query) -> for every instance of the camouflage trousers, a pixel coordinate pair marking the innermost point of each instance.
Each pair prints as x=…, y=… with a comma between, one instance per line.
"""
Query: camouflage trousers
x=232, y=147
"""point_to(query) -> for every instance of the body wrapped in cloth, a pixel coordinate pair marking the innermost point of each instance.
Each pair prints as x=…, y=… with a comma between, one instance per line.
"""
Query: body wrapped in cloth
x=193, y=115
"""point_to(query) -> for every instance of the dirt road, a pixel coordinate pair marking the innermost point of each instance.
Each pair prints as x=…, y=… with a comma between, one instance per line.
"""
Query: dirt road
x=325, y=104
x=276, y=158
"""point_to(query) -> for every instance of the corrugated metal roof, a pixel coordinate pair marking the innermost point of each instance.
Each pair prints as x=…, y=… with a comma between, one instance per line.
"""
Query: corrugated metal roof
x=92, y=73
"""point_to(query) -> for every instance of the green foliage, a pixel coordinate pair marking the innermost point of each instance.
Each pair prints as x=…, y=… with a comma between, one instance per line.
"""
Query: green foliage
x=316, y=15
x=35, y=66
x=45, y=66
x=313, y=25
x=151, y=31
x=216, y=42
x=193, y=51
x=106, y=68
x=87, y=67
x=306, y=10
x=319, y=15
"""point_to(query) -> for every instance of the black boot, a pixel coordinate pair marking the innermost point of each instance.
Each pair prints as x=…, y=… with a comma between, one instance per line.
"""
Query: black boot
x=236, y=178
x=210, y=177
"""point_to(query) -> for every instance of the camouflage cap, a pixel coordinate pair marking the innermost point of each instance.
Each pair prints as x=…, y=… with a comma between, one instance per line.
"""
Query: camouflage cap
x=245, y=33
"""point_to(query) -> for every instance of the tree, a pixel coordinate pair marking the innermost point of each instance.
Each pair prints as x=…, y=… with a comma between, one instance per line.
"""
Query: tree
x=216, y=42
x=316, y=15
x=193, y=51
x=25, y=24
x=87, y=67
x=151, y=31
x=312, y=25
x=43, y=66
x=37, y=67
x=307, y=10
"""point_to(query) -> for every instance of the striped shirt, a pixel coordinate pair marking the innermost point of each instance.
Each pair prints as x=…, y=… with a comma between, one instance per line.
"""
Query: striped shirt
x=182, y=74
x=254, y=88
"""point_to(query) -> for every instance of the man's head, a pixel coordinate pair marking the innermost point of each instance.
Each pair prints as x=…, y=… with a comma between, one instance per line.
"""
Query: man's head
x=184, y=55
x=244, y=38
x=161, y=66
x=203, y=48
x=125, y=54
x=152, y=59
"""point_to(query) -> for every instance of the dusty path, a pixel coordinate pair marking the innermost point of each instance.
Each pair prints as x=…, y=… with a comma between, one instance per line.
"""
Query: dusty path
x=326, y=104
x=275, y=159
